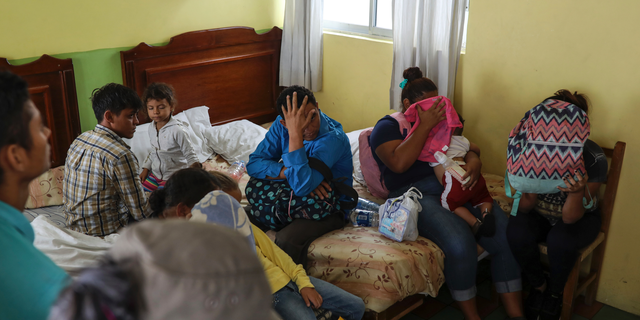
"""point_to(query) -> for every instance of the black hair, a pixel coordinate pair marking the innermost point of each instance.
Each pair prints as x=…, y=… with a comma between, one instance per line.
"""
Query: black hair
x=578, y=99
x=226, y=183
x=115, y=98
x=416, y=85
x=187, y=186
x=458, y=131
x=14, y=116
x=159, y=91
x=301, y=92
x=104, y=292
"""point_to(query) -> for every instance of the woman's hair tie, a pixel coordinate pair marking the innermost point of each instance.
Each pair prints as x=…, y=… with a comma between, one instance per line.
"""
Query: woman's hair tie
x=403, y=83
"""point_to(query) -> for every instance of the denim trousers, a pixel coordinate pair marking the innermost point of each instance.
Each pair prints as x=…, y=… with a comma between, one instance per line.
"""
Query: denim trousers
x=290, y=305
x=453, y=235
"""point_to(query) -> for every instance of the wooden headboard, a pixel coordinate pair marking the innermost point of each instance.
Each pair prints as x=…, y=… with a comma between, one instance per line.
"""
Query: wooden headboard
x=52, y=87
x=233, y=71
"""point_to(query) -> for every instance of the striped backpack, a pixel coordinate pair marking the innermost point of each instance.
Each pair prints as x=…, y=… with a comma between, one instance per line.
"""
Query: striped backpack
x=544, y=147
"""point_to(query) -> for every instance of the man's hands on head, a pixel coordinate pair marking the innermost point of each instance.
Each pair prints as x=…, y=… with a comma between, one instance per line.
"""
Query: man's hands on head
x=296, y=120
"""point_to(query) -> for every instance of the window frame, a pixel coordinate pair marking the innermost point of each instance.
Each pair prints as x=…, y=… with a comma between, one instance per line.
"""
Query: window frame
x=370, y=30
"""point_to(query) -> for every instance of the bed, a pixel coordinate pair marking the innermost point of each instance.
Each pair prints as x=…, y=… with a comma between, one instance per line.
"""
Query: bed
x=233, y=71
x=53, y=90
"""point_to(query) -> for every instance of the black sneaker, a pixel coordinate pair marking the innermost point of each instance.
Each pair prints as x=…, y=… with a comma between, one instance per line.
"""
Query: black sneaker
x=533, y=304
x=551, y=307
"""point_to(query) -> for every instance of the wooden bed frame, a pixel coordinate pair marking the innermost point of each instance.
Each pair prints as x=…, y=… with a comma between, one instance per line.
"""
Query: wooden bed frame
x=53, y=90
x=233, y=71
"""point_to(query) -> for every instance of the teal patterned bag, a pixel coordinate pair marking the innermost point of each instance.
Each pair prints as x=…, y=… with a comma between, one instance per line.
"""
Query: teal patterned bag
x=275, y=205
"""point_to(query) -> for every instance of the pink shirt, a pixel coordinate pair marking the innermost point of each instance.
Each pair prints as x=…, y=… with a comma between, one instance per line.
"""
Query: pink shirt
x=440, y=135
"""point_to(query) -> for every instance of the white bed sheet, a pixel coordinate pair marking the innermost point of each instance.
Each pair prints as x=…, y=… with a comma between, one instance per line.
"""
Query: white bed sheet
x=53, y=213
x=70, y=250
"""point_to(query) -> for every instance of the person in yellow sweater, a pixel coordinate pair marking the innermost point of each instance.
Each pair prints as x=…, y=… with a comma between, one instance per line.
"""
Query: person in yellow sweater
x=294, y=293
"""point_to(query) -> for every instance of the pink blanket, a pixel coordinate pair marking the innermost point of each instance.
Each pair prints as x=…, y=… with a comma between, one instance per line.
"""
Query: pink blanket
x=440, y=135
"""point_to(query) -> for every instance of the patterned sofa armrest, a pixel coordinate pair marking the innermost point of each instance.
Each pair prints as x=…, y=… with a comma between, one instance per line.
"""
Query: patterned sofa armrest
x=46, y=190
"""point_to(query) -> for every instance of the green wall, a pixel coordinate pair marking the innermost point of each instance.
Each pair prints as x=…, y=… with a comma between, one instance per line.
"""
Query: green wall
x=93, y=69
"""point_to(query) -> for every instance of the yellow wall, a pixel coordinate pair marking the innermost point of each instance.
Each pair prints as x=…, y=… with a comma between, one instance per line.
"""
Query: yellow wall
x=35, y=27
x=356, y=78
x=518, y=53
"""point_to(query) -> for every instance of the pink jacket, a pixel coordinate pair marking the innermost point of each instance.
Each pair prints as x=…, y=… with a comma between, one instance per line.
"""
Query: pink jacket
x=440, y=136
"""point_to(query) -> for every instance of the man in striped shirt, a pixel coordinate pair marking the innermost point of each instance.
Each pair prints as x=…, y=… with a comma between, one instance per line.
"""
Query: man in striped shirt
x=102, y=188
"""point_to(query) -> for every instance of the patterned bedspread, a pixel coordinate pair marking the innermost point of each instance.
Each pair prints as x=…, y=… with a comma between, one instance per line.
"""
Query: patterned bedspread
x=379, y=270
x=371, y=266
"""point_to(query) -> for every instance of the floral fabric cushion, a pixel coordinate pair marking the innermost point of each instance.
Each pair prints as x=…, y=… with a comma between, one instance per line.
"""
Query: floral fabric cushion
x=46, y=190
x=495, y=185
x=378, y=270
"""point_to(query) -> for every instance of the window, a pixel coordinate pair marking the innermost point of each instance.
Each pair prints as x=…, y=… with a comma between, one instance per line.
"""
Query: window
x=372, y=17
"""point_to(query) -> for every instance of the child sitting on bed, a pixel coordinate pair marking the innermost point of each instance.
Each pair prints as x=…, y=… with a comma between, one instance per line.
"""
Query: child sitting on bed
x=294, y=293
x=454, y=196
x=172, y=149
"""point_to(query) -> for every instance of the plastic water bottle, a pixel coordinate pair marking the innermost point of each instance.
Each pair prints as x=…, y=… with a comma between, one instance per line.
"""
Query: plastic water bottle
x=364, y=218
x=236, y=170
x=453, y=168
x=365, y=204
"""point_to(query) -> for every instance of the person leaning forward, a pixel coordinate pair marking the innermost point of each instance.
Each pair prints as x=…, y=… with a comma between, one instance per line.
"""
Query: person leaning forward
x=102, y=189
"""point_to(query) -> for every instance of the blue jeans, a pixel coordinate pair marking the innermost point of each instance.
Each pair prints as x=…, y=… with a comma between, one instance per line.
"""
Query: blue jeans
x=291, y=306
x=453, y=235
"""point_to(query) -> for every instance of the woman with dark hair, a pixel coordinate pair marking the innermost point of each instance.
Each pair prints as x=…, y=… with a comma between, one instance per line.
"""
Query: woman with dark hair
x=400, y=168
x=560, y=220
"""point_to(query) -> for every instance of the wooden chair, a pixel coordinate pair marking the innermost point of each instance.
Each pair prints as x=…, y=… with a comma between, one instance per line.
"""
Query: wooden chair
x=586, y=272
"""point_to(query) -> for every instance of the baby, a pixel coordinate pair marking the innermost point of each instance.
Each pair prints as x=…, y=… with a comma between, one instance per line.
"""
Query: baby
x=454, y=197
x=172, y=149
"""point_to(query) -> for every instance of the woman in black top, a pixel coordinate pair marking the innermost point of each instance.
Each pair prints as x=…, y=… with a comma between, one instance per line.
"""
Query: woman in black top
x=560, y=220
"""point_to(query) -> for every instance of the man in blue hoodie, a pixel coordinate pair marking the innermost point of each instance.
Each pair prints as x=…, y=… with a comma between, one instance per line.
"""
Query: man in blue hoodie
x=284, y=186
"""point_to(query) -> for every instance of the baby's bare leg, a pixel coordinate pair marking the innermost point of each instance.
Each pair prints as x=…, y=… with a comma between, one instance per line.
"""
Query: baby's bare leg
x=486, y=207
x=439, y=172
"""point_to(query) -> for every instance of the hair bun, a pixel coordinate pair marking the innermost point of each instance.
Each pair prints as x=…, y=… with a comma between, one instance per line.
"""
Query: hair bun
x=412, y=73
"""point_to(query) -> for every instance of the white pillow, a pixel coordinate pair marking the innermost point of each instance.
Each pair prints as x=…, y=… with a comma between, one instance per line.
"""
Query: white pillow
x=236, y=140
x=355, y=152
x=70, y=250
x=140, y=144
x=196, y=122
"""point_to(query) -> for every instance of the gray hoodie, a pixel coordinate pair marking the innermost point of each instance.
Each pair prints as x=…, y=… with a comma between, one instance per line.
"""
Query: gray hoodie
x=171, y=149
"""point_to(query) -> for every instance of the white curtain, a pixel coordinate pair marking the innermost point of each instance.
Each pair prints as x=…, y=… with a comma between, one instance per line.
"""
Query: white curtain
x=301, y=51
x=427, y=34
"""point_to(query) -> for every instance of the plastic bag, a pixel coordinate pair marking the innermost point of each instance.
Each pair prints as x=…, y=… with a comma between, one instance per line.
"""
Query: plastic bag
x=399, y=216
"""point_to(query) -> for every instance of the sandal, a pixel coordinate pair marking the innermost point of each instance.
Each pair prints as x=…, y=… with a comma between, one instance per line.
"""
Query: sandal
x=485, y=227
